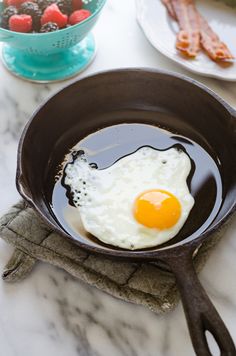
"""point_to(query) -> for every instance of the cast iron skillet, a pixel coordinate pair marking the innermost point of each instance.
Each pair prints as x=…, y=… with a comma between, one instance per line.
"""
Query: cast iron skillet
x=134, y=95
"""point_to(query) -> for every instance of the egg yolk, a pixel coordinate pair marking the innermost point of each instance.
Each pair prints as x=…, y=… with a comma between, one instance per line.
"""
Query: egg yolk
x=157, y=209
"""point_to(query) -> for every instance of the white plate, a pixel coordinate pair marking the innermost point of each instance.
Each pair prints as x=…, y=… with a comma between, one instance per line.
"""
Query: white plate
x=161, y=31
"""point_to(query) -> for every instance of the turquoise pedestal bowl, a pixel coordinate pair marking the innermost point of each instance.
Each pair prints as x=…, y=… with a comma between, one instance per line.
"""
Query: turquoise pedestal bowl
x=51, y=56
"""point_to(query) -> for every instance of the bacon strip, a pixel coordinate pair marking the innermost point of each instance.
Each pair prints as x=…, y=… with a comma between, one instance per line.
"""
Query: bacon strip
x=188, y=39
x=169, y=7
x=211, y=43
x=209, y=40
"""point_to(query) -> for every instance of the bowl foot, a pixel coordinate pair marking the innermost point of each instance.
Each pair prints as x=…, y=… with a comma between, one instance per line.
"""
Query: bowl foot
x=53, y=67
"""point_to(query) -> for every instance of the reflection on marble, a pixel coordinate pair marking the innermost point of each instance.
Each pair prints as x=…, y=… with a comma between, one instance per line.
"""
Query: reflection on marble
x=50, y=313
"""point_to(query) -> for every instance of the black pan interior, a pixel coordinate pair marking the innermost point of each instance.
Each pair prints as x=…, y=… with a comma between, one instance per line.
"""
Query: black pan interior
x=150, y=108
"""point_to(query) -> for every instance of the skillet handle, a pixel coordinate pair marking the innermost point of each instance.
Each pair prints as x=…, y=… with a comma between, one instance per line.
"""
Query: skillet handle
x=200, y=313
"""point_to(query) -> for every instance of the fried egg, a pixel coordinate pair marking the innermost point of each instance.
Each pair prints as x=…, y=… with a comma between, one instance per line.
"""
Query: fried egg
x=141, y=201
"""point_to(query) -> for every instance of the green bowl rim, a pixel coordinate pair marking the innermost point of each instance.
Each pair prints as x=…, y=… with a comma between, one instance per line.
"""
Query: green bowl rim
x=94, y=14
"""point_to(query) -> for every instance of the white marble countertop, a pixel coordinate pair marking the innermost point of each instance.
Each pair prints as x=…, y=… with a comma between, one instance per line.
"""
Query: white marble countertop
x=50, y=313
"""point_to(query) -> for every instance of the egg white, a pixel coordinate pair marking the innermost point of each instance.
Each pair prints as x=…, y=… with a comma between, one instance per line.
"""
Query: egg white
x=105, y=198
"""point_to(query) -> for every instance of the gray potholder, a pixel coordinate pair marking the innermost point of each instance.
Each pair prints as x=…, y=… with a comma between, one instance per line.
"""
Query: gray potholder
x=148, y=284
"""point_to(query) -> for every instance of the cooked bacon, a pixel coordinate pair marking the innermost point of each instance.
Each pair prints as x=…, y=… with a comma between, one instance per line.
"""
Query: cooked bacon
x=169, y=7
x=195, y=30
x=188, y=39
x=211, y=43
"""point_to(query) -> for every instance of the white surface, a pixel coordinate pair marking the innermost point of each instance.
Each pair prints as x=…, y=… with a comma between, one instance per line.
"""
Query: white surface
x=50, y=313
x=161, y=31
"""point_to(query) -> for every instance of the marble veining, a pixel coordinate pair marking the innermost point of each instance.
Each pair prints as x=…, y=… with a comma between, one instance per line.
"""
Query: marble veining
x=52, y=314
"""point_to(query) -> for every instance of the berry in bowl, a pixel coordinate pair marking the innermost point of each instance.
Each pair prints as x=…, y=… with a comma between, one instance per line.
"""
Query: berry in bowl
x=48, y=40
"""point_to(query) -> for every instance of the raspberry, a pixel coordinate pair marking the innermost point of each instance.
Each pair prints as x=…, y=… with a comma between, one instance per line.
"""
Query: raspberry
x=32, y=9
x=53, y=14
x=20, y=23
x=16, y=3
x=77, y=5
x=79, y=16
x=7, y=13
x=49, y=27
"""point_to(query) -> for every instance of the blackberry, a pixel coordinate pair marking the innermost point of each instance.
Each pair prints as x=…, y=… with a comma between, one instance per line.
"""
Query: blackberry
x=7, y=13
x=49, y=27
x=32, y=9
x=28, y=8
x=65, y=6
x=43, y=4
x=37, y=20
